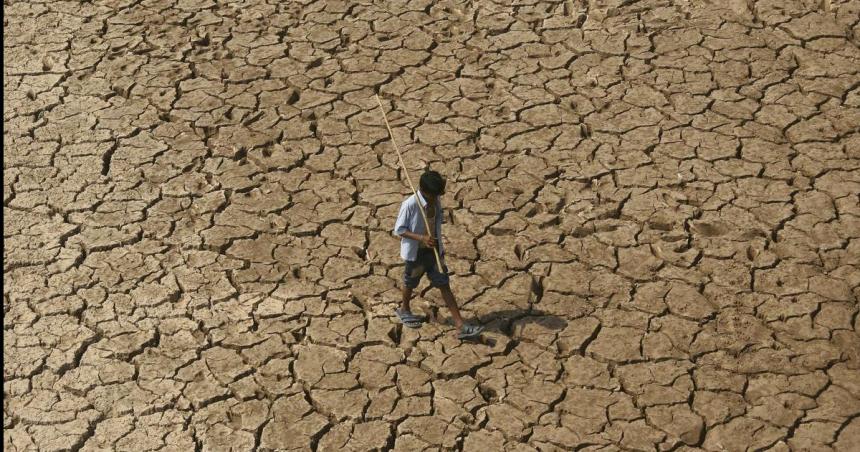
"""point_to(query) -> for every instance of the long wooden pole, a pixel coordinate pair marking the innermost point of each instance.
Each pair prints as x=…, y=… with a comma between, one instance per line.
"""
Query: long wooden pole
x=408, y=179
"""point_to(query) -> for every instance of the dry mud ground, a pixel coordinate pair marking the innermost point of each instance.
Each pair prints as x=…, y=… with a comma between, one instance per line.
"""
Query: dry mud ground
x=654, y=208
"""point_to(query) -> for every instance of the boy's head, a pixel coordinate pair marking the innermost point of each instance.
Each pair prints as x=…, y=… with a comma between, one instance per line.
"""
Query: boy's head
x=432, y=184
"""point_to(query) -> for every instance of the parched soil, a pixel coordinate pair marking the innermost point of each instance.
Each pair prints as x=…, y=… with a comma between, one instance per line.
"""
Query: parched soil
x=652, y=206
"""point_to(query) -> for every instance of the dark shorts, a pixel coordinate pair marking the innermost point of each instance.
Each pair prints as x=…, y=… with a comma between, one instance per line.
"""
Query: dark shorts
x=425, y=262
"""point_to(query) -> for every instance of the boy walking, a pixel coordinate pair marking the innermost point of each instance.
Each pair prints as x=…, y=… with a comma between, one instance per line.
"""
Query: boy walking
x=416, y=248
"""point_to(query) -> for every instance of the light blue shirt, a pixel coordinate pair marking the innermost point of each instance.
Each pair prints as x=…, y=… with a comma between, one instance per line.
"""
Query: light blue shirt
x=410, y=220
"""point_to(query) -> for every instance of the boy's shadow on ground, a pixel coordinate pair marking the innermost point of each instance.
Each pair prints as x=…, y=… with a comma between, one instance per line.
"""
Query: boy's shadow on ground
x=504, y=322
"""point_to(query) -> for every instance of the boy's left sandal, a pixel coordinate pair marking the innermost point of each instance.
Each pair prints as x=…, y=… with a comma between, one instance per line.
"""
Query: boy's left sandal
x=470, y=331
x=408, y=319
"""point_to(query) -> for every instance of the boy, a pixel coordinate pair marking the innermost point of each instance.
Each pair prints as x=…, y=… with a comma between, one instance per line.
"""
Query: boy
x=416, y=248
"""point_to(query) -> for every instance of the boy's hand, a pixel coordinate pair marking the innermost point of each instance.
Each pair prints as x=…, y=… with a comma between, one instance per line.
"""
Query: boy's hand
x=428, y=240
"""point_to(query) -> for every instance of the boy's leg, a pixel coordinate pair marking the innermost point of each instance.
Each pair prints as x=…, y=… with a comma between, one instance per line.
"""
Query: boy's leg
x=441, y=280
x=407, y=297
x=412, y=273
x=448, y=296
x=465, y=331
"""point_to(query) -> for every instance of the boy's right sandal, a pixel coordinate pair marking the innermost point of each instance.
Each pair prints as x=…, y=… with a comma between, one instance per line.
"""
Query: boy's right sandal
x=470, y=331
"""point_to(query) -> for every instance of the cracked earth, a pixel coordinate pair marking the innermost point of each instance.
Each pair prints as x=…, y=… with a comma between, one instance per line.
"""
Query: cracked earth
x=653, y=206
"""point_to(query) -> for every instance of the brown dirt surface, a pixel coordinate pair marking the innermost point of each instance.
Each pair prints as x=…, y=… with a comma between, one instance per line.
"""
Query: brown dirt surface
x=653, y=206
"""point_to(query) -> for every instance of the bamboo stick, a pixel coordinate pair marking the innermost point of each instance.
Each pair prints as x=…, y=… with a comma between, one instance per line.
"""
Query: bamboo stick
x=409, y=180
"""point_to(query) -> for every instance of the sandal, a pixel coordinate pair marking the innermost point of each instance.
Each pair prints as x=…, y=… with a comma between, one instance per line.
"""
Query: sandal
x=470, y=331
x=409, y=319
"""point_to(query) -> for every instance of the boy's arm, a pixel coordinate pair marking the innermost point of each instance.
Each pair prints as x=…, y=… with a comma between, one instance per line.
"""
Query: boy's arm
x=401, y=227
x=412, y=235
x=402, y=224
x=425, y=239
